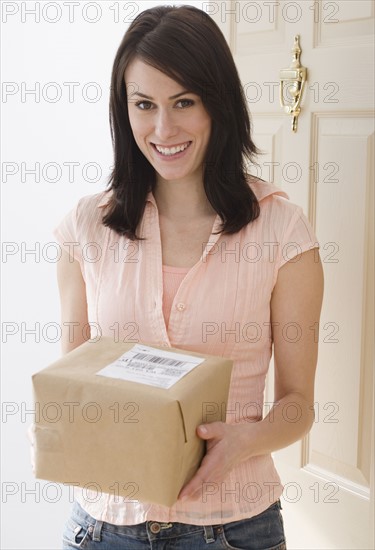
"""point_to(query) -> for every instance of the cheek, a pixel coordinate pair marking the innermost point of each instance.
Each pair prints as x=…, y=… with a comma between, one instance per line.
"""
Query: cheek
x=206, y=131
x=138, y=123
x=205, y=126
x=139, y=129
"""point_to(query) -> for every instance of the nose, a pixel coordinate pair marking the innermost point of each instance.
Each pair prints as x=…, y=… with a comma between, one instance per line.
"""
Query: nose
x=165, y=125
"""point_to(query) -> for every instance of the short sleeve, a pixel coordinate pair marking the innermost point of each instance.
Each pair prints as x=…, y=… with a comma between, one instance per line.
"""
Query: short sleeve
x=299, y=237
x=66, y=235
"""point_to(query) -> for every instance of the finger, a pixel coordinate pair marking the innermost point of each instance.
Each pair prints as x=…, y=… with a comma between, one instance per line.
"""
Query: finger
x=211, y=430
x=191, y=488
x=208, y=472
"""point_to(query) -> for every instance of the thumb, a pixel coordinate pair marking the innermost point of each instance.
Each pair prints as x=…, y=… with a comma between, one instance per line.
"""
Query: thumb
x=209, y=431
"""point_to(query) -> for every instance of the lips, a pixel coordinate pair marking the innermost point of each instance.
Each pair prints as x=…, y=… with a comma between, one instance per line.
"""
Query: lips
x=171, y=150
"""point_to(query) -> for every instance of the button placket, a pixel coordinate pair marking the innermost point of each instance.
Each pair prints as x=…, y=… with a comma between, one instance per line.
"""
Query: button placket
x=181, y=306
x=154, y=262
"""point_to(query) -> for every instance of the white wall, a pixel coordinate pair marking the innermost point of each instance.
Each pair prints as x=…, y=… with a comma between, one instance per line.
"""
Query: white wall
x=79, y=47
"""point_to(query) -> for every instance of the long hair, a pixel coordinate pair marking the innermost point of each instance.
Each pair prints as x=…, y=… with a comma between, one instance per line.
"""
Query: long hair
x=185, y=44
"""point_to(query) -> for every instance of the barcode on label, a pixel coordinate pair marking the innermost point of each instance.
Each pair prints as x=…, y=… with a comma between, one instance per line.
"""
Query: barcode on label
x=159, y=360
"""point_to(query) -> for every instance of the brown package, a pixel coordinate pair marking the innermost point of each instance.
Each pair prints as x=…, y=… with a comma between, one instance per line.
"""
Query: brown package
x=124, y=438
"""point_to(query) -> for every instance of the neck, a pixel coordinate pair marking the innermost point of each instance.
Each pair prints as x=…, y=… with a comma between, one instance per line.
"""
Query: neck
x=182, y=200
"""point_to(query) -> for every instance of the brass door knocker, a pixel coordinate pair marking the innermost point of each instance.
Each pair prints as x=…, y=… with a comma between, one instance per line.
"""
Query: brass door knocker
x=292, y=83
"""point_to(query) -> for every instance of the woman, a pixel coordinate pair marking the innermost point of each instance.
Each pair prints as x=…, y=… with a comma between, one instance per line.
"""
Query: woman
x=195, y=254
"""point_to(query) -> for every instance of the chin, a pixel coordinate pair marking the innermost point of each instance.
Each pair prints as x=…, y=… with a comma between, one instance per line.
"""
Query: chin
x=169, y=175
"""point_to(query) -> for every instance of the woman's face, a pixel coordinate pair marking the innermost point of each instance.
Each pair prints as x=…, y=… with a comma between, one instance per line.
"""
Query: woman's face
x=170, y=124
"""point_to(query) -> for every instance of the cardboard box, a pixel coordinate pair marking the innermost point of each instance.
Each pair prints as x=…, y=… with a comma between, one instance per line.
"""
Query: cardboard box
x=119, y=437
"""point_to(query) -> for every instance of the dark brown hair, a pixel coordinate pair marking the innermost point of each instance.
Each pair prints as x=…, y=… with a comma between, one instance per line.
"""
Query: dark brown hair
x=185, y=44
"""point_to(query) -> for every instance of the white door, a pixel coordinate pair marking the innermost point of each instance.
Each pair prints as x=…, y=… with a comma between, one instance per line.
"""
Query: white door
x=327, y=168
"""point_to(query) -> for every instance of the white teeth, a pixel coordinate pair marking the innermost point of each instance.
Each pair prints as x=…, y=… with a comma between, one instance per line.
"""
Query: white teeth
x=172, y=150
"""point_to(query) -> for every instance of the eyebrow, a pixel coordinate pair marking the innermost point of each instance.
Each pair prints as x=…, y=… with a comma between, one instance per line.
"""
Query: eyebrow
x=172, y=97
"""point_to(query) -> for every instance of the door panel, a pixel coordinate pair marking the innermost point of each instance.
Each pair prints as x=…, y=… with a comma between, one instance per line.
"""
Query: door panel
x=327, y=168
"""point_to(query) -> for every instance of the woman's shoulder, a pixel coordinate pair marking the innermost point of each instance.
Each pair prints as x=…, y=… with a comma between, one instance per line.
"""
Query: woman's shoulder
x=88, y=213
x=90, y=207
x=271, y=197
x=264, y=190
x=277, y=213
x=92, y=202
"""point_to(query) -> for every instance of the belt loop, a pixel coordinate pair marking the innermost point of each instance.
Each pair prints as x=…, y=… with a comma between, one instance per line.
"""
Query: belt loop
x=97, y=531
x=209, y=533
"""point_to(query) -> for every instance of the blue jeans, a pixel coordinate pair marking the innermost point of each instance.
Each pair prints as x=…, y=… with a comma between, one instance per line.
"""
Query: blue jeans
x=262, y=532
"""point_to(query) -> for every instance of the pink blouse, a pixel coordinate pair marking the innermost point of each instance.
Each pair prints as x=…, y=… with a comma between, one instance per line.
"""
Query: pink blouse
x=221, y=307
x=172, y=278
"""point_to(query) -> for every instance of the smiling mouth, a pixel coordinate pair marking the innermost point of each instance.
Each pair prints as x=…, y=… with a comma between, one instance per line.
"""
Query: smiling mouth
x=170, y=151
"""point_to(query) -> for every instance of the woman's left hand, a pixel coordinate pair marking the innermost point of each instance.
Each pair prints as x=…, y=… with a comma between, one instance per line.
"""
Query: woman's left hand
x=224, y=449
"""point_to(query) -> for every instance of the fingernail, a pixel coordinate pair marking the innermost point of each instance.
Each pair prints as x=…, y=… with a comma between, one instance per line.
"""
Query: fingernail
x=202, y=429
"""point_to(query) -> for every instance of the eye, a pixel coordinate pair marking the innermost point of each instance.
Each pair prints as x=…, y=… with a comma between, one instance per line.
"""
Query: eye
x=144, y=105
x=185, y=103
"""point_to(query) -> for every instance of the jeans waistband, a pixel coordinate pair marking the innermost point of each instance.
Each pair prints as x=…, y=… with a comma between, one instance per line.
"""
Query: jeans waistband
x=147, y=531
